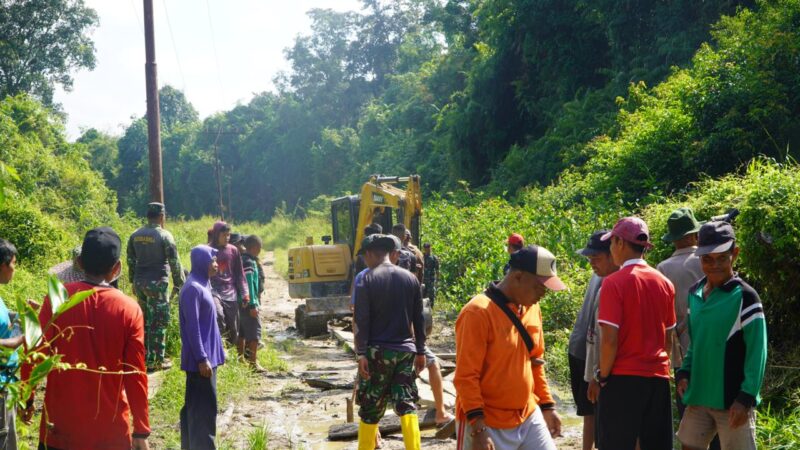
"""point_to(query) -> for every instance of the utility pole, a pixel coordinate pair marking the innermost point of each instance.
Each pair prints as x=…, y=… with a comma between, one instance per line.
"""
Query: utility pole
x=153, y=116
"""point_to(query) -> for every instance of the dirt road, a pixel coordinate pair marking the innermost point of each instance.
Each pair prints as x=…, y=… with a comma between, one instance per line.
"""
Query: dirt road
x=298, y=416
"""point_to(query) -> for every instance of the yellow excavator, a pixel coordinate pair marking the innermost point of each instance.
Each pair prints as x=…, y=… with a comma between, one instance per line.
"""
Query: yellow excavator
x=322, y=274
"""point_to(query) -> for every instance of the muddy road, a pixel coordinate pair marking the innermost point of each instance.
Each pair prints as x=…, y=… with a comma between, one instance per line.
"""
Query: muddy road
x=298, y=416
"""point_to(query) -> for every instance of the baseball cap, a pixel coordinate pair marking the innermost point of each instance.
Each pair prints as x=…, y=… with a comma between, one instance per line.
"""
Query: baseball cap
x=235, y=238
x=679, y=224
x=631, y=229
x=100, y=250
x=596, y=245
x=715, y=237
x=155, y=208
x=380, y=242
x=516, y=240
x=540, y=262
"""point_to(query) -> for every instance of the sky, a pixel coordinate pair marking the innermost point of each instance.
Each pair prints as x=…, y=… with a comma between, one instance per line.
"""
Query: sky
x=219, y=52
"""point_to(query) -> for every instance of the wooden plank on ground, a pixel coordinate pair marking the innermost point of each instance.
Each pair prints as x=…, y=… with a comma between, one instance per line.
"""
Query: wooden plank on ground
x=388, y=425
x=446, y=356
x=329, y=383
x=448, y=431
x=343, y=337
x=447, y=383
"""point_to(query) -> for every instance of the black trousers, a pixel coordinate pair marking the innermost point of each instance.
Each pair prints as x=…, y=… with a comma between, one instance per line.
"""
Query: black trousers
x=199, y=412
x=633, y=407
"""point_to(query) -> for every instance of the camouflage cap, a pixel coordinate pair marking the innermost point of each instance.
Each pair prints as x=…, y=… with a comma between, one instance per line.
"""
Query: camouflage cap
x=155, y=208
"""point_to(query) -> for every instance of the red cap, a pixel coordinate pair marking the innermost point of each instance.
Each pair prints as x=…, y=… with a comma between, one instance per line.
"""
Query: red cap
x=631, y=229
x=516, y=240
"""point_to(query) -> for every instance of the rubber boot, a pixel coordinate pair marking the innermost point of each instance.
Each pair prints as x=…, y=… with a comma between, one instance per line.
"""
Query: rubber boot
x=367, y=433
x=410, y=426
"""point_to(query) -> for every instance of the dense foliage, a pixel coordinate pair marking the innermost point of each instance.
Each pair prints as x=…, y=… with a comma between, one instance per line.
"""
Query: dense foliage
x=498, y=92
x=41, y=43
x=56, y=194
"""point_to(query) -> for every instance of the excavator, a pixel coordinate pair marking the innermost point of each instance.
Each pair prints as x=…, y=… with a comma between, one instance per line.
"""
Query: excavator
x=322, y=274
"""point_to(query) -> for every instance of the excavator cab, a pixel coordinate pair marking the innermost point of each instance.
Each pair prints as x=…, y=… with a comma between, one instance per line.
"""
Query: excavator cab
x=322, y=274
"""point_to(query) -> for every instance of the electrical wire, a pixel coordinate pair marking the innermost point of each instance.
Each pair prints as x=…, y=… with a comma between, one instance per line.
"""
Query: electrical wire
x=136, y=13
x=174, y=47
x=214, y=46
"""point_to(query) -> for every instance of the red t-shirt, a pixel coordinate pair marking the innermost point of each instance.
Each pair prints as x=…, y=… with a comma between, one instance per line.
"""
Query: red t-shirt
x=88, y=410
x=639, y=301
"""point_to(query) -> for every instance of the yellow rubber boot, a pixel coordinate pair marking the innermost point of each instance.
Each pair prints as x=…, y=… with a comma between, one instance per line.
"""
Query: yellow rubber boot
x=367, y=433
x=410, y=426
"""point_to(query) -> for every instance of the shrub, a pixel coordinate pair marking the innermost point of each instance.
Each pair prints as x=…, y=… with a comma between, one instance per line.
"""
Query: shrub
x=38, y=237
x=768, y=233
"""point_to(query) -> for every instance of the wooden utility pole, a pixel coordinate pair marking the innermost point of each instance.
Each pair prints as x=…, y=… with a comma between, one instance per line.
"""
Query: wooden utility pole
x=153, y=116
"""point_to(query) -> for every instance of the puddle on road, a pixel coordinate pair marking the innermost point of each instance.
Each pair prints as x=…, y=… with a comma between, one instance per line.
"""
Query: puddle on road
x=319, y=429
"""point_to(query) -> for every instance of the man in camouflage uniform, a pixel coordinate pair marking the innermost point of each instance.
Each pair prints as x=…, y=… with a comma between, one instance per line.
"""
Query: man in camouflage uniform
x=152, y=256
x=430, y=273
x=389, y=349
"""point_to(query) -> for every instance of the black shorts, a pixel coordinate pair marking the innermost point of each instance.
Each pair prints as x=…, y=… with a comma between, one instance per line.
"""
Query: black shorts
x=633, y=407
x=579, y=387
x=249, y=327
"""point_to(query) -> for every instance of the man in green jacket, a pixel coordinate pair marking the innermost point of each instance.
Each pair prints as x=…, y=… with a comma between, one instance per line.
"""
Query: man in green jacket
x=152, y=255
x=721, y=375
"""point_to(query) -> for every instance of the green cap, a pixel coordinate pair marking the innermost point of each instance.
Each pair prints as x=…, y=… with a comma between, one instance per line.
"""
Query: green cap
x=681, y=223
x=155, y=208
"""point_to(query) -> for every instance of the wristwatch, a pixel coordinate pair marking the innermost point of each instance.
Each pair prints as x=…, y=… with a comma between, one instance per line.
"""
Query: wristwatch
x=600, y=379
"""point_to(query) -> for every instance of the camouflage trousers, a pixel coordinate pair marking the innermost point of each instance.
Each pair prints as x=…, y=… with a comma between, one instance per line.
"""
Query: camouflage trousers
x=391, y=378
x=153, y=300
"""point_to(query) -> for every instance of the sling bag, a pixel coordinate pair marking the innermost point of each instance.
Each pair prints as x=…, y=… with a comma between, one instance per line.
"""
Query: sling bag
x=502, y=303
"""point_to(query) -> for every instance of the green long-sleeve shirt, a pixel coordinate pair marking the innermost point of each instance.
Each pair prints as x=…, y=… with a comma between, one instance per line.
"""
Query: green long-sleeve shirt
x=728, y=351
x=250, y=266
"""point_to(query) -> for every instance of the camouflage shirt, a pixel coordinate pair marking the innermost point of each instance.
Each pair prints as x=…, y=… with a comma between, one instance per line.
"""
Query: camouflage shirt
x=431, y=268
x=153, y=255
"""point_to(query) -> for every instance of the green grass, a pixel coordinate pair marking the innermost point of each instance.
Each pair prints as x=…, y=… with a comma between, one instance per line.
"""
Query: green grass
x=779, y=430
x=269, y=358
x=234, y=383
x=258, y=439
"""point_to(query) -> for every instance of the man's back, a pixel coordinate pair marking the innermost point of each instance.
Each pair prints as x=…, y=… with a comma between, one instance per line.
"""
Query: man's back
x=388, y=302
x=147, y=248
x=639, y=301
x=683, y=270
x=106, y=334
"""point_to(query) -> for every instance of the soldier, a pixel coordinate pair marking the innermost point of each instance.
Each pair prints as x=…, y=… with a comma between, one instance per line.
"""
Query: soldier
x=430, y=272
x=152, y=256
x=408, y=258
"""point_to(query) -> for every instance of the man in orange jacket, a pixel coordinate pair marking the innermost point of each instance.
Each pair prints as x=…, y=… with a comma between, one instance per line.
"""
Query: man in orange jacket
x=503, y=400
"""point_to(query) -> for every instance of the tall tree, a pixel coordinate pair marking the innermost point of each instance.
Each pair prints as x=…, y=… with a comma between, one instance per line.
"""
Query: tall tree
x=41, y=43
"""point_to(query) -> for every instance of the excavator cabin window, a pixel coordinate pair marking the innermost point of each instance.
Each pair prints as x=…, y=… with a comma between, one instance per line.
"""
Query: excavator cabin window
x=344, y=217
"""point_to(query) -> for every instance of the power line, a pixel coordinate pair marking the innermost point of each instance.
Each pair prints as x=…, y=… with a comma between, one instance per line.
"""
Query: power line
x=174, y=46
x=214, y=46
x=136, y=13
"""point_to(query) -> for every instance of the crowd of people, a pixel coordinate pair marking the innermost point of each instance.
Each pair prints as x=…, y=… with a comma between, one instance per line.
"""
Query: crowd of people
x=108, y=342
x=691, y=319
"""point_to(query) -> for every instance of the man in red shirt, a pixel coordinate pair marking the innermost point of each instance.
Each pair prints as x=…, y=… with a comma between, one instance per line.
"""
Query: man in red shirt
x=637, y=318
x=90, y=407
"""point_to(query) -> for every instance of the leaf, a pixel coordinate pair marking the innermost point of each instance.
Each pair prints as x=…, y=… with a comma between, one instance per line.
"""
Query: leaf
x=41, y=370
x=33, y=331
x=73, y=301
x=56, y=292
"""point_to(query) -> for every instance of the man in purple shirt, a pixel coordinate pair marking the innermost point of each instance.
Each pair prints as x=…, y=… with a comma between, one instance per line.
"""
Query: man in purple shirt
x=229, y=284
x=201, y=352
